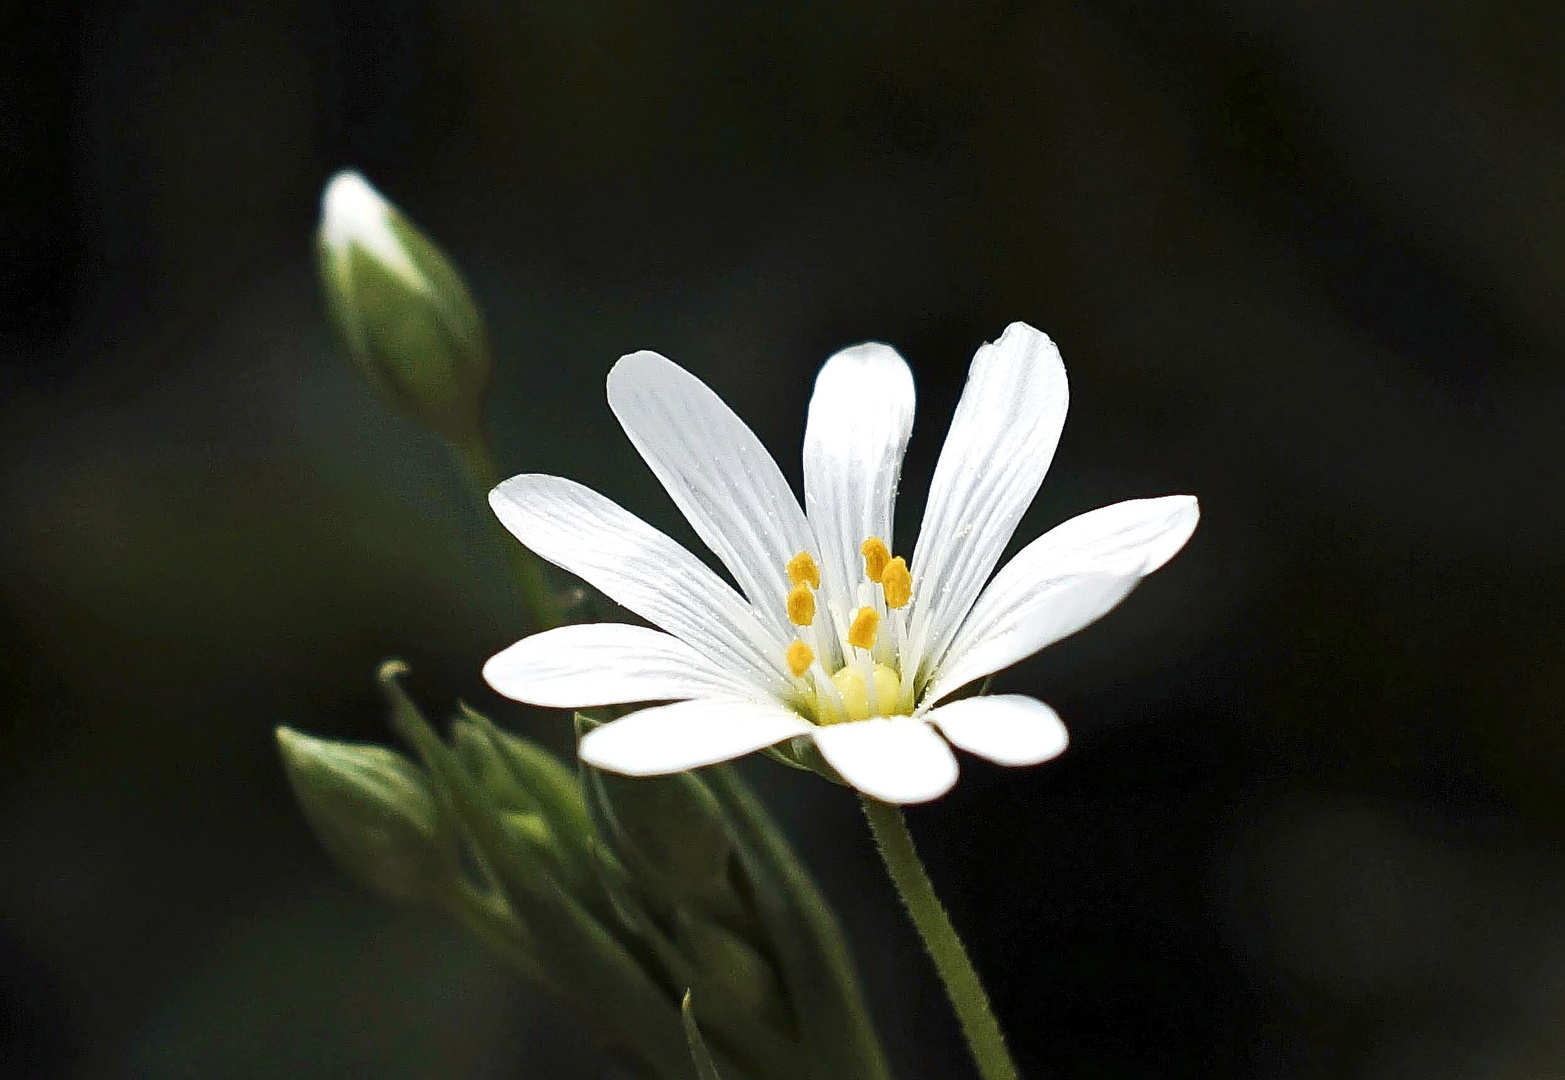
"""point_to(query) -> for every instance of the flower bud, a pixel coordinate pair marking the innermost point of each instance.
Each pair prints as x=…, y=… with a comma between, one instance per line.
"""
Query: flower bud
x=728, y=960
x=373, y=811
x=519, y=775
x=535, y=823
x=480, y=757
x=669, y=832
x=402, y=310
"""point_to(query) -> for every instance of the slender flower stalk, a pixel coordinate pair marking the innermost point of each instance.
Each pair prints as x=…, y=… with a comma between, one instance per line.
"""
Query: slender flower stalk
x=945, y=948
x=475, y=458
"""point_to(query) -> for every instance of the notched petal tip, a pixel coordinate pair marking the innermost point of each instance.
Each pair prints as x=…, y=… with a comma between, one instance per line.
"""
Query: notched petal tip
x=1023, y=343
x=1018, y=329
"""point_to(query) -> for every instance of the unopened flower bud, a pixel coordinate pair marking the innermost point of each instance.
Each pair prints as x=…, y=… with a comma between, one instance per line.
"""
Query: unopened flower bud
x=730, y=961
x=373, y=811
x=480, y=757
x=401, y=310
x=668, y=830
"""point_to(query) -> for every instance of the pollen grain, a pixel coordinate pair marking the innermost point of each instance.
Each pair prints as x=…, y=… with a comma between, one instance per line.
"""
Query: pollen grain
x=876, y=556
x=803, y=571
x=897, y=583
x=801, y=606
x=800, y=657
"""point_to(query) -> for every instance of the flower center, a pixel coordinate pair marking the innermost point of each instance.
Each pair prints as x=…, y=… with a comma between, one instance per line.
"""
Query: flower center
x=847, y=663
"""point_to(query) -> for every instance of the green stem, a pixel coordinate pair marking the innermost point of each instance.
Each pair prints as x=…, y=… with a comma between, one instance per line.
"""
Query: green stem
x=929, y=916
x=482, y=474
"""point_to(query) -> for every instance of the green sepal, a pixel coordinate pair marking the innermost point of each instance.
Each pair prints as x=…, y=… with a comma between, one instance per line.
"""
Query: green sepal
x=594, y=972
x=615, y=884
x=548, y=780
x=706, y=1069
x=728, y=960
x=373, y=811
x=784, y=754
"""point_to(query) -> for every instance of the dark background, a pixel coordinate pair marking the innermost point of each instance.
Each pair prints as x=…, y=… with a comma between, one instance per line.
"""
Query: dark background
x=1305, y=260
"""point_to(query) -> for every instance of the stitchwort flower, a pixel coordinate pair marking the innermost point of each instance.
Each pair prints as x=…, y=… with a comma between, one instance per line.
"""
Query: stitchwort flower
x=830, y=637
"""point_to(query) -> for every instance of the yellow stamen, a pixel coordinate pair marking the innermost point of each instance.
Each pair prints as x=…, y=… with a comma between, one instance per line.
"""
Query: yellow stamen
x=897, y=583
x=800, y=657
x=876, y=556
x=861, y=632
x=803, y=571
x=801, y=606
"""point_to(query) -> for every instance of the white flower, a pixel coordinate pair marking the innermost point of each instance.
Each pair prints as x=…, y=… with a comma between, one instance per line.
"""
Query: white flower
x=833, y=639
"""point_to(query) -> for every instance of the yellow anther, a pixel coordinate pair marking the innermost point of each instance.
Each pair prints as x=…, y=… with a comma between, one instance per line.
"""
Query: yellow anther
x=801, y=606
x=861, y=632
x=803, y=571
x=897, y=583
x=800, y=657
x=876, y=556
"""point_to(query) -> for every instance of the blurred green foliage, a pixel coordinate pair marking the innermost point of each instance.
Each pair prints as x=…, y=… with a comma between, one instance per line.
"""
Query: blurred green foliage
x=614, y=895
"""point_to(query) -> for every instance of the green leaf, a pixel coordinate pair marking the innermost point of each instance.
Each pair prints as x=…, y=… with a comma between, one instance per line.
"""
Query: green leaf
x=705, y=1069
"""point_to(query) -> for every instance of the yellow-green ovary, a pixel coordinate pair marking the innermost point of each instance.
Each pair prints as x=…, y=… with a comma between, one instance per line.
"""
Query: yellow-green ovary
x=856, y=699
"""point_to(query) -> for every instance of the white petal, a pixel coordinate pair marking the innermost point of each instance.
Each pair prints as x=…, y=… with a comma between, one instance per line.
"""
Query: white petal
x=1001, y=441
x=578, y=667
x=1138, y=535
x=1016, y=631
x=638, y=567
x=1067, y=578
x=717, y=472
x=688, y=735
x=897, y=759
x=353, y=212
x=1008, y=729
x=860, y=418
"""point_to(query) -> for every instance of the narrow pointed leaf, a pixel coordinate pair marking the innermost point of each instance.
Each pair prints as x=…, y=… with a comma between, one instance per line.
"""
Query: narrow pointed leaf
x=705, y=1069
